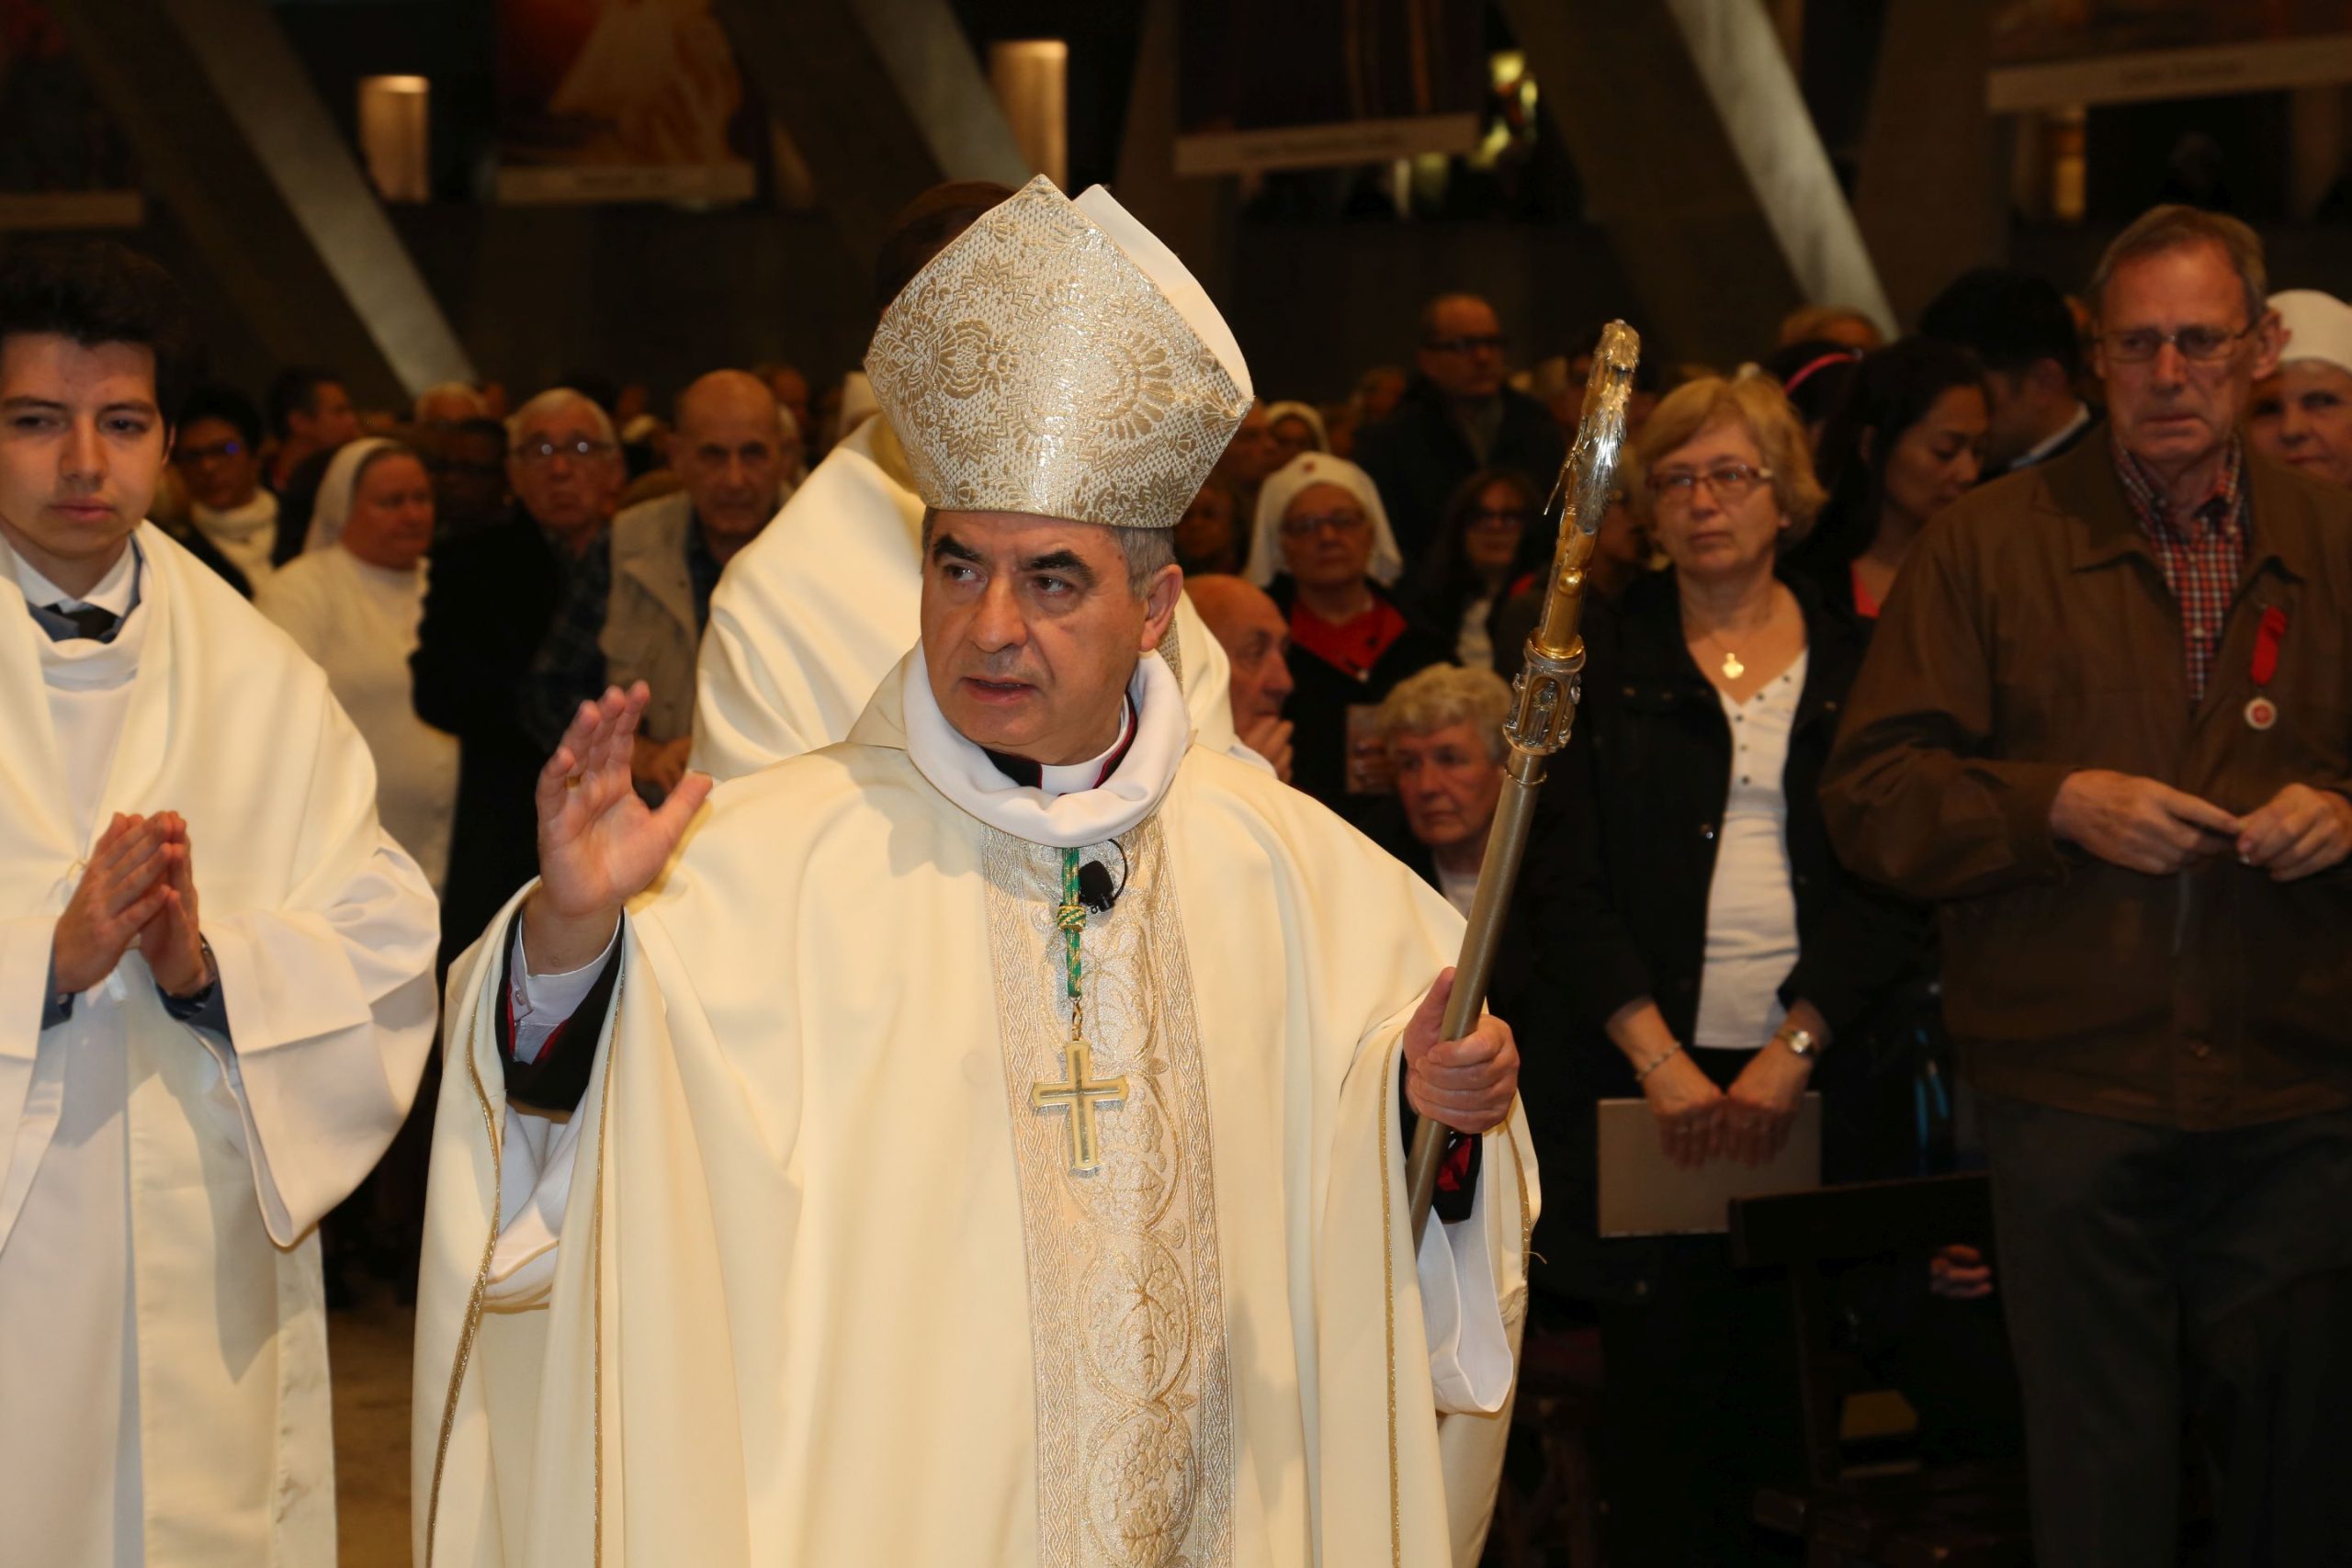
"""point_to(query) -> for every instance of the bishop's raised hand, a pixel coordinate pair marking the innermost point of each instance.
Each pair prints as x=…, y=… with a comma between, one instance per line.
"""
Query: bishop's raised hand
x=600, y=844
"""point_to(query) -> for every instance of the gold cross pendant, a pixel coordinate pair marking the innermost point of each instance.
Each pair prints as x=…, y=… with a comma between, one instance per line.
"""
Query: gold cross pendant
x=1079, y=1094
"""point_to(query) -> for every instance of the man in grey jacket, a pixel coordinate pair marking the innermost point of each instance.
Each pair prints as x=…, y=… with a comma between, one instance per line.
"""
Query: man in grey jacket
x=730, y=454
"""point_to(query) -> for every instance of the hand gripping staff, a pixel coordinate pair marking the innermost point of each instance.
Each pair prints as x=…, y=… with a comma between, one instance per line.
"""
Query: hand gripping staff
x=1543, y=707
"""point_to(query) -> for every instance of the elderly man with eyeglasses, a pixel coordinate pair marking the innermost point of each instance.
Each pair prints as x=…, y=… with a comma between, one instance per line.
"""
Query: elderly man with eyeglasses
x=2106, y=724
x=510, y=643
x=1457, y=416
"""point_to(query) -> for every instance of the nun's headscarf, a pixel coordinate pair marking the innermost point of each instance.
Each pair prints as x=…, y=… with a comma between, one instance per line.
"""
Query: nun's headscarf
x=1283, y=487
x=2319, y=326
x=339, y=485
x=1306, y=414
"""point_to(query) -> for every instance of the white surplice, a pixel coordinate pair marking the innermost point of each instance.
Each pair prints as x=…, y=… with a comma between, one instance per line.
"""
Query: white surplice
x=814, y=613
x=359, y=623
x=162, y=1337
x=838, y=1297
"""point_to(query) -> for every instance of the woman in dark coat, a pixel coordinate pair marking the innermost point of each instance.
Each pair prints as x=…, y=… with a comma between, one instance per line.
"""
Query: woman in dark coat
x=1710, y=957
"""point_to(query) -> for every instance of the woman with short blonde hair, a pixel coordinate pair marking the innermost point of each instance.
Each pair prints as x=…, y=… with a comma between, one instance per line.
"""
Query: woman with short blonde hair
x=1703, y=947
x=1756, y=403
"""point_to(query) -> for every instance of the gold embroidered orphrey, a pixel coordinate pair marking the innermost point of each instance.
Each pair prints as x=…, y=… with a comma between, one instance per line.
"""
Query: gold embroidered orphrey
x=1134, y=1418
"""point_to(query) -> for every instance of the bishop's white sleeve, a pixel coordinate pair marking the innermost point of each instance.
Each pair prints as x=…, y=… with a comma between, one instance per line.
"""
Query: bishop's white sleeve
x=535, y=1186
x=331, y=1012
x=1470, y=1362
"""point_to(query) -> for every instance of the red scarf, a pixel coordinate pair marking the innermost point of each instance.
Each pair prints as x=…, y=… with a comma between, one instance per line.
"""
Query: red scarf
x=1354, y=645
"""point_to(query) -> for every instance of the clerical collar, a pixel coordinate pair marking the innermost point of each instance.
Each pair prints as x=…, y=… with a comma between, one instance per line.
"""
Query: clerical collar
x=1158, y=735
x=1056, y=779
x=117, y=591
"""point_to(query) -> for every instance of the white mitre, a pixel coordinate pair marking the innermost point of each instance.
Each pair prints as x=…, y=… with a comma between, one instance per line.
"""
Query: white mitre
x=1057, y=360
x=2318, y=326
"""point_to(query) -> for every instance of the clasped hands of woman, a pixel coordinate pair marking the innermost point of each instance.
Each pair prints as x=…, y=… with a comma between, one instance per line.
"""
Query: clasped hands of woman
x=1749, y=1122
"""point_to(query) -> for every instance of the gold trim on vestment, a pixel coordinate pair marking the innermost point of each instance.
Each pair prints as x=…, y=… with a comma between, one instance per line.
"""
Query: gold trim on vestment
x=596, y=1270
x=1126, y=1304
x=1388, y=1306
x=473, y=1308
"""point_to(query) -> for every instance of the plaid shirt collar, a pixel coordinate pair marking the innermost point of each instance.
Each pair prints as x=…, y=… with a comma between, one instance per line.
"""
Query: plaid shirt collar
x=2223, y=507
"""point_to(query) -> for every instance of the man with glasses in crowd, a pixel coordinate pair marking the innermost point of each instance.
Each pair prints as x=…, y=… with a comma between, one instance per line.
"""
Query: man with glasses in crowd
x=510, y=643
x=1456, y=417
x=218, y=453
x=2106, y=724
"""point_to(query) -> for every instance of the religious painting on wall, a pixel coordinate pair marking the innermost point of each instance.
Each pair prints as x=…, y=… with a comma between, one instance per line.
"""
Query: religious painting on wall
x=2051, y=54
x=63, y=163
x=1310, y=84
x=621, y=100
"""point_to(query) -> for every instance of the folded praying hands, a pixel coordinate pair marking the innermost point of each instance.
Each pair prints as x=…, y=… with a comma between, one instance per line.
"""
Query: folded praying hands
x=138, y=889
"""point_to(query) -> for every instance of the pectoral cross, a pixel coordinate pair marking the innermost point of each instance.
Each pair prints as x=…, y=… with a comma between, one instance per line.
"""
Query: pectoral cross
x=1079, y=1094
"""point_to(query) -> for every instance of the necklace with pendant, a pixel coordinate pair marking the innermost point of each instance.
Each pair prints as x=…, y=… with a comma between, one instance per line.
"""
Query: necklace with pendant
x=1732, y=667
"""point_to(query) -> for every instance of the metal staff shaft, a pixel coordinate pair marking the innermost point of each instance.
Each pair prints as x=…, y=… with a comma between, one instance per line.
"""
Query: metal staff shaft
x=1543, y=710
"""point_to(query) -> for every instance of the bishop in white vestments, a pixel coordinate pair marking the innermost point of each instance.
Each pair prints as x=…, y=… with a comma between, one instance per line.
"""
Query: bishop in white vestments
x=813, y=614
x=216, y=981
x=982, y=1141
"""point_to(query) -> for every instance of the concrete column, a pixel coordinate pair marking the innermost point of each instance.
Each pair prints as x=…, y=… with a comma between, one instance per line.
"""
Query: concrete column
x=234, y=140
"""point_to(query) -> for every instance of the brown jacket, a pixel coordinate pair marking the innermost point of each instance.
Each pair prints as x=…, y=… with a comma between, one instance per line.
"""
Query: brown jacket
x=2029, y=636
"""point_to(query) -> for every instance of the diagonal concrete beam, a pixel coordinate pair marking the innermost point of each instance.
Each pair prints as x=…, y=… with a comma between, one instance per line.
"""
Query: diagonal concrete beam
x=883, y=98
x=231, y=135
x=1701, y=162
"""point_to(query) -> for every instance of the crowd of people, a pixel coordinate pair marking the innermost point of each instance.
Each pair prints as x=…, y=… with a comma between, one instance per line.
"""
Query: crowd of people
x=1966, y=740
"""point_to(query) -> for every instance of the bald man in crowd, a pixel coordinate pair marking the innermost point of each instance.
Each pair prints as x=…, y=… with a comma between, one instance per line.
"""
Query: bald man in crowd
x=1255, y=635
x=733, y=452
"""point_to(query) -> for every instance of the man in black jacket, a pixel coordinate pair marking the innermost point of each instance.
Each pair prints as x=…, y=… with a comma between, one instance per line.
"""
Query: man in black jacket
x=508, y=646
x=1457, y=418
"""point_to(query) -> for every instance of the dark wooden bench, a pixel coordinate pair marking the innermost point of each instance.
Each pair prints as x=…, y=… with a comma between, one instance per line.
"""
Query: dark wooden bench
x=1849, y=1513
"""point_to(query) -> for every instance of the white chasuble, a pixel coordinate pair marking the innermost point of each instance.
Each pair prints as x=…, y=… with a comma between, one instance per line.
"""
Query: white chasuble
x=162, y=1335
x=810, y=1276
x=814, y=613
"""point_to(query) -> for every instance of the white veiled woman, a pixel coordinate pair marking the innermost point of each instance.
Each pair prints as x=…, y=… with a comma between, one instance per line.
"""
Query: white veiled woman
x=351, y=600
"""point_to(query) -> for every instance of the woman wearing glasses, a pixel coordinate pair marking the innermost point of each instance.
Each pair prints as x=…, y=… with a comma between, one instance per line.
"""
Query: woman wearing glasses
x=1711, y=956
x=1322, y=548
x=1490, y=542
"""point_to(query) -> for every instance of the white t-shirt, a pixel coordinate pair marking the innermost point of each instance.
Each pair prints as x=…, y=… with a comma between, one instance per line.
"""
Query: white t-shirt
x=1752, y=903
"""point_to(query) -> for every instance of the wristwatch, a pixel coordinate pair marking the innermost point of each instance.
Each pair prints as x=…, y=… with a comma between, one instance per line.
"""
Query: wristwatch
x=1800, y=1042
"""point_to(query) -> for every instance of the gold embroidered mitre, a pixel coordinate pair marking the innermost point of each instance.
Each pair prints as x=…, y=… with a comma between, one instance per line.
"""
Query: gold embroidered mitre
x=1057, y=359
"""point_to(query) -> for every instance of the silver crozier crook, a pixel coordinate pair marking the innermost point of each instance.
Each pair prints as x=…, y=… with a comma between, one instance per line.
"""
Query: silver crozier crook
x=1543, y=706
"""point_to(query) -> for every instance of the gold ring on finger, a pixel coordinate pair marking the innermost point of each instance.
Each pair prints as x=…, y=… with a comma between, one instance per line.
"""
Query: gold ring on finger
x=572, y=782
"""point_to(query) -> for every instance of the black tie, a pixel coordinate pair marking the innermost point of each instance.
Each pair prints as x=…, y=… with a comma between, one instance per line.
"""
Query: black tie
x=89, y=621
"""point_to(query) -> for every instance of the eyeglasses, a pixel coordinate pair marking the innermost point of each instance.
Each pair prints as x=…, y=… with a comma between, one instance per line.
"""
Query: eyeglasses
x=581, y=450
x=1730, y=483
x=1340, y=523
x=2142, y=343
x=1494, y=340
x=212, y=453
x=1496, y=519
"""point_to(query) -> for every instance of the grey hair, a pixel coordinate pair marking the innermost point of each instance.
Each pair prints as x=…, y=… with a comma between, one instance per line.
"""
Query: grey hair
x=1149, y=551
x=1445, y=694
x=2175, y=226
x=562, y=397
